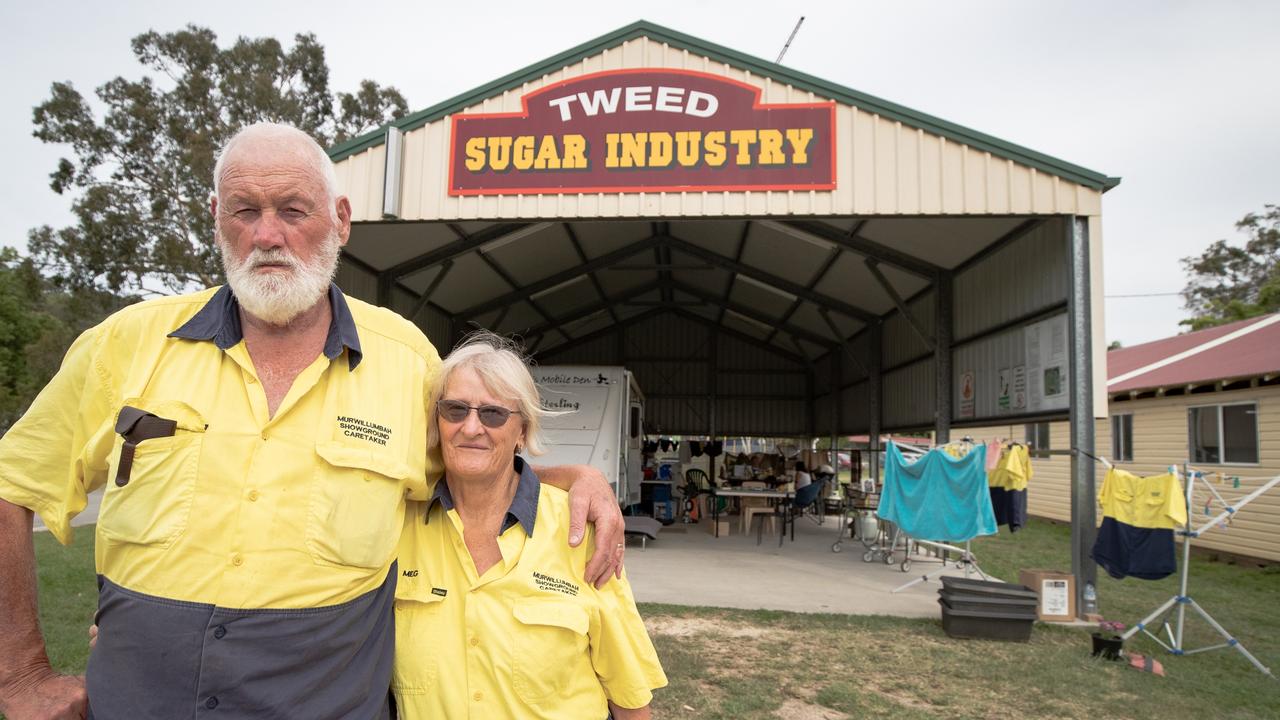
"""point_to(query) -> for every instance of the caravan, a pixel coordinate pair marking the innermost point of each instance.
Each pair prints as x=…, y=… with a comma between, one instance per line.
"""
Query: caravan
x=601, y=422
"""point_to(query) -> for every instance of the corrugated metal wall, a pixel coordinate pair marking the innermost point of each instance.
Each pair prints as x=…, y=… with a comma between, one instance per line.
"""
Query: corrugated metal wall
x=760, y=392
x=1027, y=275
x=883, y=167
x=909, y=396
x=363, y=285
x=901, y=343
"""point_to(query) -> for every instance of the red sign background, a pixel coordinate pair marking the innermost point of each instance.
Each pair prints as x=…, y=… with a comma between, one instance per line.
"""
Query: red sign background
x=738, y=108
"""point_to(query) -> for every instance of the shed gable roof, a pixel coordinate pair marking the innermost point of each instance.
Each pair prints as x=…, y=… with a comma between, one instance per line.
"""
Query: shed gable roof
x=780, y=73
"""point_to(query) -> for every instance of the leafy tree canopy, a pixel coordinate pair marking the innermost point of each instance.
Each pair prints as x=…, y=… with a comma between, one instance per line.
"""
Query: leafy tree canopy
x=1229, y=282
x=141, y=171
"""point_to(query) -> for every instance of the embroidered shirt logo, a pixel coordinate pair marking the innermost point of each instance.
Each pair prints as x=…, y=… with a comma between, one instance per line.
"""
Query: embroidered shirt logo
x=363, y=430
x=554, y=584
x=410, y=573
x=439, y=591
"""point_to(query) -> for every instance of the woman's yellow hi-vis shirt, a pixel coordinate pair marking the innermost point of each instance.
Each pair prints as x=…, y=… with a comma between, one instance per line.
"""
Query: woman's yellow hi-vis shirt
x=245, y=561
x=531, y=638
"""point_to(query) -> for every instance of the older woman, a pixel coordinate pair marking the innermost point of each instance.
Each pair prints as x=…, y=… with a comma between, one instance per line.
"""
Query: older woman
x=494, y=618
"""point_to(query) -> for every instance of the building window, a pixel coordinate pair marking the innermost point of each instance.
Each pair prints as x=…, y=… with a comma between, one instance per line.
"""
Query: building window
x=1038, y=436
x=1122, y=438
x=1224, y=433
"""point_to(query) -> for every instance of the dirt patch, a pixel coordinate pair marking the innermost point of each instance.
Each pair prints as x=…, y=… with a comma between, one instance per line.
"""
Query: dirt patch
x=711, y=627
x=793, y=709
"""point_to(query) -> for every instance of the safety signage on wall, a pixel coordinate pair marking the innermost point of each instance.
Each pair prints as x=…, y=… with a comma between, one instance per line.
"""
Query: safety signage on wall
x=644, y=130
x=1046, y=364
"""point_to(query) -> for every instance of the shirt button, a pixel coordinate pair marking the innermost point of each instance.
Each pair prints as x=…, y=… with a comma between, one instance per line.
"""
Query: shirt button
x=251, y=380
x=211, y=703
x=219, y=632
x=477, y=697
x=237, y=560
x=253, y=496
x=475, y=641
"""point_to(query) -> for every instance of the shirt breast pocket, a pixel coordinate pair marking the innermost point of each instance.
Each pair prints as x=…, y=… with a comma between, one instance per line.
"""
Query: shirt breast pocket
x=357, y=502
x=548, y=649
x=152, y=481
x=421, y=637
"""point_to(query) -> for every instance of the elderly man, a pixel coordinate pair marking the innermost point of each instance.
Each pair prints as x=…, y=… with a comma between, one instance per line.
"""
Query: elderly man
x=257, y=443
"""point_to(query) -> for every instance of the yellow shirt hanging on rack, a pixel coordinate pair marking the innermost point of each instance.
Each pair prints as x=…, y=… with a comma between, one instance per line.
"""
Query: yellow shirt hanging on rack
x=1013, y=471
x=1155, y=502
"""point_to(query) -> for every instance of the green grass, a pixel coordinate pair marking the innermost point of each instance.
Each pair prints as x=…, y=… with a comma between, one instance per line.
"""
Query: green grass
x=745, y=665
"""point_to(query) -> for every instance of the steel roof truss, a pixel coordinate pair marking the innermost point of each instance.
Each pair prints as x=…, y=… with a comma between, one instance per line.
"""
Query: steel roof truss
x=856, y=243
x=569, y=274
x=874, y=266
x=755, y=273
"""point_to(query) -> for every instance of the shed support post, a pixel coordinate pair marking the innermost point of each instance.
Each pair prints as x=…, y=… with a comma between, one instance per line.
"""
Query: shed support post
x=713, y=348
x=874, y=384
x=1083, y=504
x=942, y=334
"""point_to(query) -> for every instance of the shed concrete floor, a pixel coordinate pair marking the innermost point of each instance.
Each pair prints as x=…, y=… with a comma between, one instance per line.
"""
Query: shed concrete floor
x=687, y=566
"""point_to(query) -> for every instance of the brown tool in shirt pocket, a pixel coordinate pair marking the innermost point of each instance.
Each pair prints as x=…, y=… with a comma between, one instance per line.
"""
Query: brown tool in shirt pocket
x=135, y=426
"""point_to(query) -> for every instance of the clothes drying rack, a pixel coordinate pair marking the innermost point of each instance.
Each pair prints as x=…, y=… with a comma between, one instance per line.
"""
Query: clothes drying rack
x=967, y=559
x=1182, y=600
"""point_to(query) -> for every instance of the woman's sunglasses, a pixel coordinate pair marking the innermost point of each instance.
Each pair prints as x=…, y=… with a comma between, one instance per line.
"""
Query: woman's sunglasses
x=491, y=416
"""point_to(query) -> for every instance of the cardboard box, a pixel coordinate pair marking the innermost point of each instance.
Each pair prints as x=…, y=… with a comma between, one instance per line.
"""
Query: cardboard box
x=1057, y=593
x=710, y=526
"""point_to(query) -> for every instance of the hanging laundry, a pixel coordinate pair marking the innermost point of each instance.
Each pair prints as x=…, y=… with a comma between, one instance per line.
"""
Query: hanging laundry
x=1008, y=487
x=995, y=451
x=938, y=497
x=695, y=448
x=1139, y=517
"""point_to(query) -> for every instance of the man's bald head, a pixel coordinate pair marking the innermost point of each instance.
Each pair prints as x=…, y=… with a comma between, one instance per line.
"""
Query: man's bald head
x=263, y=140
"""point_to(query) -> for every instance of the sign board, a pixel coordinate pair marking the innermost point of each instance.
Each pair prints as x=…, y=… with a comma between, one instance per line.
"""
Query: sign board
x=1011, y=390
x=1047, y=372
x=968, y=394
x=644, y=130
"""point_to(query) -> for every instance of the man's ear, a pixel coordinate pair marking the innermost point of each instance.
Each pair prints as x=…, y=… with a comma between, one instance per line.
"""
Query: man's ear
x=343, y=206
x=213, y=205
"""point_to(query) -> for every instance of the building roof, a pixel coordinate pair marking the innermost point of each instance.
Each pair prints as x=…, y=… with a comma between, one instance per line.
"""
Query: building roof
x=1248, y=348
x=781, y=73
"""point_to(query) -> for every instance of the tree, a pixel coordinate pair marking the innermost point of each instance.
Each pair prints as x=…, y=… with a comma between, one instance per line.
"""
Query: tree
x=142, y=173
x=37, y=323
x=1230, y=283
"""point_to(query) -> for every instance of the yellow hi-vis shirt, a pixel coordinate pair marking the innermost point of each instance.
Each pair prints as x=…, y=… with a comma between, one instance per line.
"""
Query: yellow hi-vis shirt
x=531, y=638
x=1150, y=503
x=235, y=509
x=1013, y=470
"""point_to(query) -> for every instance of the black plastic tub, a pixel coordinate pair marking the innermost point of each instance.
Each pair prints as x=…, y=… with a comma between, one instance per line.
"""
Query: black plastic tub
x=987, y=603
x=991, y=589
x=1010, y=626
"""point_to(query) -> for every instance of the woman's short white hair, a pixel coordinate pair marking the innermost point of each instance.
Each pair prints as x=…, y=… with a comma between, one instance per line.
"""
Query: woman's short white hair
x=282, y=133
x=505, y=373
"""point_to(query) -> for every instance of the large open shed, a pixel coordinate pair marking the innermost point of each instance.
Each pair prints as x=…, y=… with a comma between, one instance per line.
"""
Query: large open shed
x=935, y=277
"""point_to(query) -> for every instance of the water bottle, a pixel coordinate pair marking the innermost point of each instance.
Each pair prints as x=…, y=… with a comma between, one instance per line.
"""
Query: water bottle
x=1090, y=599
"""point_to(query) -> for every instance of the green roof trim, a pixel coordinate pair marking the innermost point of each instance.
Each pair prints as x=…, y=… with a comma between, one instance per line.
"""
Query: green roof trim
x=757, y=66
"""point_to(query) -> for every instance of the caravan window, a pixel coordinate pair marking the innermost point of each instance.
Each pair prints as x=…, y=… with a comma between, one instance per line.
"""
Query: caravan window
x=635, y=421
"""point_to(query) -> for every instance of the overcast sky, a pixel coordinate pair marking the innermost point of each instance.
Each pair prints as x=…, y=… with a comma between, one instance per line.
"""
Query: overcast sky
x=1180, y=99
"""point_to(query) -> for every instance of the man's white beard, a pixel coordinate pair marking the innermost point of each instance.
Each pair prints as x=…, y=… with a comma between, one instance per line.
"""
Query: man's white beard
x=278, y=297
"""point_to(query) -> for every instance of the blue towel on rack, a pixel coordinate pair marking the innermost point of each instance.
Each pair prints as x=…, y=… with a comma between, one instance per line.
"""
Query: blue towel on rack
x=938, y=497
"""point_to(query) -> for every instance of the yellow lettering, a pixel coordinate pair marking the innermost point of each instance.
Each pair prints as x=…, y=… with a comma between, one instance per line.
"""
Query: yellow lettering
x=633, y=149
x=548, y=158
x=499, y=153
x=575, y=152
x=799, y=139
x=744, y=139
x=771, y=148
x=659, y=149
x=475, y=154
x=687, y=147
x=522, y=152
x=611, y=144
x=714, y=145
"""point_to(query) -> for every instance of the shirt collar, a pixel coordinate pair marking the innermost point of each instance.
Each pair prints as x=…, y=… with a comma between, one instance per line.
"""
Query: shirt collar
x=524, y=506
x=219, y=321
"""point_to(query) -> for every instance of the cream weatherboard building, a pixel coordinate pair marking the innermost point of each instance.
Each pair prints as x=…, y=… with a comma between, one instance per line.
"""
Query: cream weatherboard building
x=1210, y=399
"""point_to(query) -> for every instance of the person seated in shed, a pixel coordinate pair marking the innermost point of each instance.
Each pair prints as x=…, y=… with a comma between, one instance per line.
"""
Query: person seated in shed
x=802, y=475
x=493, y=615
